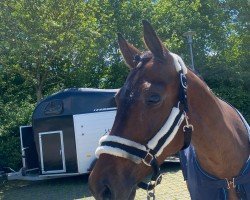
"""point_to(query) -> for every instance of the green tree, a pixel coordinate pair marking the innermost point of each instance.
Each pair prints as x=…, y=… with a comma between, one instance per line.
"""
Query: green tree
x=45, y=40
x=49, y=45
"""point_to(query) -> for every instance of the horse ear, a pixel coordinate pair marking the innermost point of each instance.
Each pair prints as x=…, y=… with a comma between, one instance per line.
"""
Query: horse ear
x=128, y=51
x=152, y=41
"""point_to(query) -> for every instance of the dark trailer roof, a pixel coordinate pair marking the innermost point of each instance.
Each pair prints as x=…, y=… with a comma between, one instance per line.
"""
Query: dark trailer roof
x=75, y=101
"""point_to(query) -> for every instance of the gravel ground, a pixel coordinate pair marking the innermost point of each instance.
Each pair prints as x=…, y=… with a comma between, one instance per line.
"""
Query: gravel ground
x=172, y=188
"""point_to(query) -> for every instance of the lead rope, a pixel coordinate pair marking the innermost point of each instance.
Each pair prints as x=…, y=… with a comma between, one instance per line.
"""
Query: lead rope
x=151, y=193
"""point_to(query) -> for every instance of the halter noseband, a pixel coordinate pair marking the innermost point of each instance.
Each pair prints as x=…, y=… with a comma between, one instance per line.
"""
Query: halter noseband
x=148, y=154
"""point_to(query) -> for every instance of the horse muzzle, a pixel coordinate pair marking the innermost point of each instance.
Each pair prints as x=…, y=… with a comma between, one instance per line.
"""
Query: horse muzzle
x=101, y=190
x=111, y=182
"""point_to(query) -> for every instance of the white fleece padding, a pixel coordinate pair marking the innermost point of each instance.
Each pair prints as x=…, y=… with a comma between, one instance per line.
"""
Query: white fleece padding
x=116, y=152
x=164, y=129
x=179, y=63
x=151, y=144
x=171, y=137
x=113, y=138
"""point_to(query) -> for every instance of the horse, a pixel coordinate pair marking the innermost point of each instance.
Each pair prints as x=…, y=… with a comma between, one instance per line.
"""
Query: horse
x=164, y=107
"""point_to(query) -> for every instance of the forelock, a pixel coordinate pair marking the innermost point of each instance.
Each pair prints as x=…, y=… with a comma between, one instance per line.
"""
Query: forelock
x=145, y=57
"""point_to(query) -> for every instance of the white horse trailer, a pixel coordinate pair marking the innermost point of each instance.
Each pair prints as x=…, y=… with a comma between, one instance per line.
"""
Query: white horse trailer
x=65, y=131
x=66, y=128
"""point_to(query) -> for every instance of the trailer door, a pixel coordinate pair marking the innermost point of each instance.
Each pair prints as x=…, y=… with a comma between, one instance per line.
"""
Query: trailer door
x=89, y=128
x=52, y=152
x=28, y=148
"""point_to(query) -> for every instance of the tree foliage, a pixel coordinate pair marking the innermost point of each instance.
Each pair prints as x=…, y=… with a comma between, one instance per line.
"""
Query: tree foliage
x=48, y=45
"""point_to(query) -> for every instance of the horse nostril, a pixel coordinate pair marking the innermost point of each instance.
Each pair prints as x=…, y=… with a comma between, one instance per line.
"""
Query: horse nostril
x=106, y=194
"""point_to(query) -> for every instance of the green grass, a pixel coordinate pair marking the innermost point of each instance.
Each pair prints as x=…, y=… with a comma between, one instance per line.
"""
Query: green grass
x=172, y=187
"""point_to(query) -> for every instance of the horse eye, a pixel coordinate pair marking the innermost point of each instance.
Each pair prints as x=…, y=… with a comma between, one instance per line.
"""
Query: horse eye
x=154, y=99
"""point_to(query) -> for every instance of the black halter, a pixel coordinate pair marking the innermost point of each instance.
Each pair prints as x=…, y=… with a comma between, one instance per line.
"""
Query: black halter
x=187, y=130
x=137, y=152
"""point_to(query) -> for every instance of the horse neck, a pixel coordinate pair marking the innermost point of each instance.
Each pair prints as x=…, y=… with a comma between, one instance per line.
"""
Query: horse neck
x=220, y=150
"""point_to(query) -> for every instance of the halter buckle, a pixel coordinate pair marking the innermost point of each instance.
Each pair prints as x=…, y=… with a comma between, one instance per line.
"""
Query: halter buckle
x=188, y=128
x=148, y=159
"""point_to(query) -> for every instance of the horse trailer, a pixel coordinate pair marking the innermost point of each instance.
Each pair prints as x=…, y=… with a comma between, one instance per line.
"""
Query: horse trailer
x=65, y=131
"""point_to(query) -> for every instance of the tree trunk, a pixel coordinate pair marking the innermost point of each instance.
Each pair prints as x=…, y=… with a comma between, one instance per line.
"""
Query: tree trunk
x=39, y=93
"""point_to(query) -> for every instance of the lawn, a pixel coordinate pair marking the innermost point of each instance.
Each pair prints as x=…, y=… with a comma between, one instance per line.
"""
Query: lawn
x=172, y=187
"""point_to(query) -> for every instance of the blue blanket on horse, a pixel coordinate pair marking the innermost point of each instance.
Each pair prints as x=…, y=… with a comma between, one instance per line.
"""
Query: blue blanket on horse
x=204, y=186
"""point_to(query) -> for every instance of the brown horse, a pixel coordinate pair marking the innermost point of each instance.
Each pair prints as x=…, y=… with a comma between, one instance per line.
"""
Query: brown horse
x=144, y=103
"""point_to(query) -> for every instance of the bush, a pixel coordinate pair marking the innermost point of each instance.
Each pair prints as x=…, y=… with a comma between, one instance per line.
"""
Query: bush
x=232, y=87
x=13, y=116
x=10, y=155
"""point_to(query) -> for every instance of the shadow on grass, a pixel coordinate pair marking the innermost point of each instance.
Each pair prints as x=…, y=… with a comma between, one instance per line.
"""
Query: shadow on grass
x=170, y=167
x=63, y=188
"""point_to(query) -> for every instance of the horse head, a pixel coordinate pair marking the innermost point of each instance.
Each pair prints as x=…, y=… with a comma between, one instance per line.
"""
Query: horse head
x=148, y=98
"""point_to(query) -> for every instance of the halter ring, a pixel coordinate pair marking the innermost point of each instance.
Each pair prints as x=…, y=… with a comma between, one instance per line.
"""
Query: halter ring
x=151, y=194
x=183, y=80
